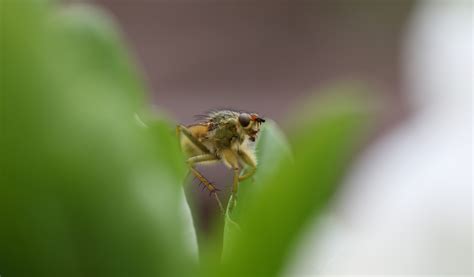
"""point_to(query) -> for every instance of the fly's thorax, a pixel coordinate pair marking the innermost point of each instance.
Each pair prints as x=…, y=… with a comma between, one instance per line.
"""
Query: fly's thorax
x=225, y=133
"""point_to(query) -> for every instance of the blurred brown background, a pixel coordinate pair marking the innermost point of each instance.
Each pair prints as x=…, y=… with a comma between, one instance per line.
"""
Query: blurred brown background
x=261, y=56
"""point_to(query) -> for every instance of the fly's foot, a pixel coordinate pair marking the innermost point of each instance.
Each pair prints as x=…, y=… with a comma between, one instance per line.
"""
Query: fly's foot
x=232, y=202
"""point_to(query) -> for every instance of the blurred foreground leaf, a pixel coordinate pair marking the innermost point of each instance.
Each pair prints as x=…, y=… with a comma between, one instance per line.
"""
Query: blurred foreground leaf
x=84, y=190
x=272, y=149
x=275, y=214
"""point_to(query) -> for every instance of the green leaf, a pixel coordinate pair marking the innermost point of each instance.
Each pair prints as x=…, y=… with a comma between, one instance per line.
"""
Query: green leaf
x=275, y=215
x=84, y=190
x=272, y=150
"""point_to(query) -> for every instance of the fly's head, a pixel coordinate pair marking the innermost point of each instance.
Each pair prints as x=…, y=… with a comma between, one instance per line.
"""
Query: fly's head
x=250, y=123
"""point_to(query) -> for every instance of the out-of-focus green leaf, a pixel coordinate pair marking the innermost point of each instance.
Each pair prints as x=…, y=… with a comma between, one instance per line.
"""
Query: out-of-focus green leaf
x=272, y=150
x=231, y=228
x=328, y=136
x=84, y=190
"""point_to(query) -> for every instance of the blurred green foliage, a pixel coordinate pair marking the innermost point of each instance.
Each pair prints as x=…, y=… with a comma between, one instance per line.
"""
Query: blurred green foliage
x=290, y=194
x=86, y=191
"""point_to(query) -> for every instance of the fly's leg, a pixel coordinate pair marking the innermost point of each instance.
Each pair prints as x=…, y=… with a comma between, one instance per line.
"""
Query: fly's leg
x=250, y=160
x=210, y=187
x=231, y=159
x=200, y=159
x=192, y=161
